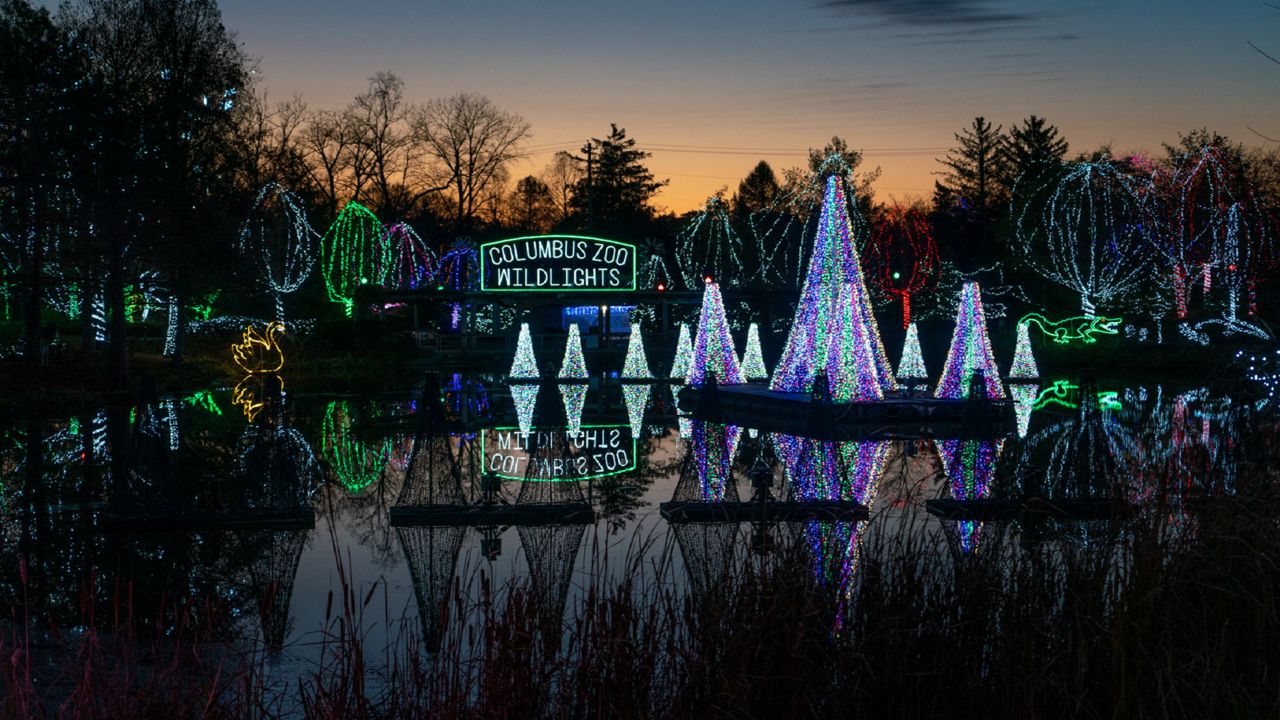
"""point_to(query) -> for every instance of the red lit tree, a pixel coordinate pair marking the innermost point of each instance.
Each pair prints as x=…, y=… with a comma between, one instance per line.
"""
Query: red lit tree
x=902, y=258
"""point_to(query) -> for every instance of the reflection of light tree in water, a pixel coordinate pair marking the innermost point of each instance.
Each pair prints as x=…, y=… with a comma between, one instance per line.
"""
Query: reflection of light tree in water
x=969, y=466
x=432, y=556
x=830, y=470
x=355, y=463
x=706, y=473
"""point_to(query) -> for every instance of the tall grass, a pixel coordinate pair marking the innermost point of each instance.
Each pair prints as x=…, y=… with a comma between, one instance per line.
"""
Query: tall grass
x=1172, y=614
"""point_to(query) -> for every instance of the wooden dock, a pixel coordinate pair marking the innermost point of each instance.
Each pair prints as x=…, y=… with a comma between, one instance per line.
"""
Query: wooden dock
x=770, y=511
x=118, y=522
x=492, y=514
x=898, y=416
x=1079, y=509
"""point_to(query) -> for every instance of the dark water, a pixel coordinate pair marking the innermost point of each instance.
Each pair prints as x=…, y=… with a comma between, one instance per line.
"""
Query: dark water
x=250, y=505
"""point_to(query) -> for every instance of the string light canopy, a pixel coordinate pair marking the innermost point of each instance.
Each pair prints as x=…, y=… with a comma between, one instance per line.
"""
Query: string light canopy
x=708, y=245
x=410, y=263
x=352, y=253
x=713, y=352
x=1087, y=227
x=834, y=306
x=1216, y=224
x=970, y=351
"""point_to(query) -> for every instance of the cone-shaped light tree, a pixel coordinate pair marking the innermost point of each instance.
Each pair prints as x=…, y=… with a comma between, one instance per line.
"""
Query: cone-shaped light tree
x=834, y=278
x=713, y=352
x=970, y=351
x=684, y=353
x=911, y=366
x=352, y=253
x=753, y=367
x=1024, y=363
x=850, y=369
x=525, y=365
x=573, y=367
x=636, y=365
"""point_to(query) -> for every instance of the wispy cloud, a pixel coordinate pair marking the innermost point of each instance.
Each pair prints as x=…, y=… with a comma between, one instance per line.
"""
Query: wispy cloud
x=974, y=14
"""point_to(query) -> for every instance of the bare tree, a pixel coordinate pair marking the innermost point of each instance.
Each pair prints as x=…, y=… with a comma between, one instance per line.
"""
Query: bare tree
x=472, y=141
x=531, y=206
x=270, y=136
x=334, y=166
x=560, y=177
x=391, y=153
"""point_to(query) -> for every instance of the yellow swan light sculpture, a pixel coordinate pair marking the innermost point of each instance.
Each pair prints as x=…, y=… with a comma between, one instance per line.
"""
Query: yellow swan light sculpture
x=259, y=352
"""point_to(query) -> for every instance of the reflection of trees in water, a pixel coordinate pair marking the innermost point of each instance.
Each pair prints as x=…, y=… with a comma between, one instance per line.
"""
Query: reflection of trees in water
x=354, y=463
x=440, y=469
x=543, y=449
x=969, y=466
x=550, y=551
x=268, y=577
x=708, y=552
x=832, y=470
x=706, y=475
x=432, y=556
x=277, y=467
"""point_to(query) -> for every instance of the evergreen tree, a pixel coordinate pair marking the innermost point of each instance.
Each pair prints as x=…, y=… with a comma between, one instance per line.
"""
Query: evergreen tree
x=973, y=175
x=613, y=196
x=757, y=191
x=1030, y=146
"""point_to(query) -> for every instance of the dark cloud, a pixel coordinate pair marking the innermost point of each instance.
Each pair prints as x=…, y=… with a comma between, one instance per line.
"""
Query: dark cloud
x=977, y=14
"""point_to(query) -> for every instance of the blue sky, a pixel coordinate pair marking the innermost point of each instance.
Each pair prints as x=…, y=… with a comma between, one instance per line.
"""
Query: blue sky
x=770, y=79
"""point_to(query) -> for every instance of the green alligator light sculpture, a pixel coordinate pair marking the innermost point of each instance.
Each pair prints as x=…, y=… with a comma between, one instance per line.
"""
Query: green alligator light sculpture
x=1073, y=328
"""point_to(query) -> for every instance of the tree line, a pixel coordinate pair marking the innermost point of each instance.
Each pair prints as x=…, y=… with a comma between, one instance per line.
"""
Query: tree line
x=133, y=142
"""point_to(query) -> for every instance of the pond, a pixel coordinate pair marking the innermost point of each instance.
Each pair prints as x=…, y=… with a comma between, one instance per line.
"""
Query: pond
x=260, y=516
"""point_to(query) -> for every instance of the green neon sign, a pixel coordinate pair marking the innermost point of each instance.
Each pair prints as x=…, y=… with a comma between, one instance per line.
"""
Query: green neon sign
x=1073, y=328
x=557, y=263
x=603, y=450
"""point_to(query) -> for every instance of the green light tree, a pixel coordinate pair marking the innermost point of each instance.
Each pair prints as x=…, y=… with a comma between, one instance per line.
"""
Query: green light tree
x=352, y=251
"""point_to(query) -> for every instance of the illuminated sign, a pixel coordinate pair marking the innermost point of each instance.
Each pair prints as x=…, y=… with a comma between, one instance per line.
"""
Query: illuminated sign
x=595, y=451
x=557, y=263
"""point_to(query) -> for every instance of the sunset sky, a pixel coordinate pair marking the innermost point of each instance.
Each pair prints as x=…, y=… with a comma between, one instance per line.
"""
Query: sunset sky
x=712, y=90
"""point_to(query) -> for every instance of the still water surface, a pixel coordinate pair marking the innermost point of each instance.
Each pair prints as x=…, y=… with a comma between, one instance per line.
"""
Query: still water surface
x=252, y=505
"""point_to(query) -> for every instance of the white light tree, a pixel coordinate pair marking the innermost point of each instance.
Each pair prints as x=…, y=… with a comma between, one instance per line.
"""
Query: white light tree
x=1087, y=227
x=278, y=239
